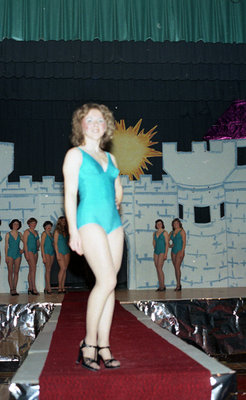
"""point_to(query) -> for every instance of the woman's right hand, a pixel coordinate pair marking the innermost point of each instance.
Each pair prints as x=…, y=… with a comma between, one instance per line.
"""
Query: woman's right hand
x=75, y=243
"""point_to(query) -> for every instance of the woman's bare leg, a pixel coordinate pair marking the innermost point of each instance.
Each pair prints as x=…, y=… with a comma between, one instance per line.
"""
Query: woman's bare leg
x=32, y=262
x=102, y=264
x=48, y=265
x=159, y=262
x=17, y=263
x=173, y=257
x=66, y=262
x=116, y=242
x=29, y=279
x=177, y=261
x=62, y=271
x=10, y=272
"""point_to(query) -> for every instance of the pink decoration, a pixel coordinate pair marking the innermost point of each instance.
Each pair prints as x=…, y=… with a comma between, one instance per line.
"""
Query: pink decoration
x=231, y=125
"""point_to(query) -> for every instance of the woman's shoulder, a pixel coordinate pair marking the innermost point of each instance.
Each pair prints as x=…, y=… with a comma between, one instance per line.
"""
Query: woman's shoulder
x=74, y=155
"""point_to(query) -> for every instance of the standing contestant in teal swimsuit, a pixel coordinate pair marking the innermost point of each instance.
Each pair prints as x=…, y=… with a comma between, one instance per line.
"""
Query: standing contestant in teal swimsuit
x=62, y=251
x=31, y=247
x=95, y=228
x=160, y=243
x=178, y=238
x=13, y=254
x=48, y=253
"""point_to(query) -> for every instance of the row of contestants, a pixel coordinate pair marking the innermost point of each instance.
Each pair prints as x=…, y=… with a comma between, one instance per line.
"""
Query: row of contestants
x=49, y=244
x=176, y=240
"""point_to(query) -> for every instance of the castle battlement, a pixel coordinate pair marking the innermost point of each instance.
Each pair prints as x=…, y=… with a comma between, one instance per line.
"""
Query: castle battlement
x=200, y=168
x=27, y=186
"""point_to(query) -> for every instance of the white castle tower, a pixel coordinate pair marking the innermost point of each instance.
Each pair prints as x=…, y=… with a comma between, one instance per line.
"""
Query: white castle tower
x=235, y=190
x=201, y=177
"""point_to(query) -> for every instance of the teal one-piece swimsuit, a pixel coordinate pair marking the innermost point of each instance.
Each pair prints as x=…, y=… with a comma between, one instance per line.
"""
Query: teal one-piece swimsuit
x=14, y=246
x=49, y=245
x=160, y=244
x=177, y=242
x=97, y=194
x=62, y=244
x=32, y=242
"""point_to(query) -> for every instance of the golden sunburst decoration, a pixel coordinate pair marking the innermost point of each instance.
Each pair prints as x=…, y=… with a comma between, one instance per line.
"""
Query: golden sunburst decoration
x=131, y=149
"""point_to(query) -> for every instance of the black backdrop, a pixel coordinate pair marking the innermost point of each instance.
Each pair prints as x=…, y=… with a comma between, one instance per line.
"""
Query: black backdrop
x=181, y=87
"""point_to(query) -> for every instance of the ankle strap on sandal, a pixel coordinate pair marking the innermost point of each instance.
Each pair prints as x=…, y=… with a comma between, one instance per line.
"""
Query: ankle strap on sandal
x=103, y=347
x=87, y=345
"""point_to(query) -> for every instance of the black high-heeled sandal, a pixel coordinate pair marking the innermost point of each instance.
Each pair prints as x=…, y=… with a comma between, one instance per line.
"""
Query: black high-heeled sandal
x=109, y=361
x=161, y=289
x=178, y=288
x=87, y=361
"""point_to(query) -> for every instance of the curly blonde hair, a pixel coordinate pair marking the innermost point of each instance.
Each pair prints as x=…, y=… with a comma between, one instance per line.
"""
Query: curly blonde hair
x=77, y=136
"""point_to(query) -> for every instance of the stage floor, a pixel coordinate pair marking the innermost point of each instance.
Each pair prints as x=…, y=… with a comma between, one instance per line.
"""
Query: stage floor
x=125, y=296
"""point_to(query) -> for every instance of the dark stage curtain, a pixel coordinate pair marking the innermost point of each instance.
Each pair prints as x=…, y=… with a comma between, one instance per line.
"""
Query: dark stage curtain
x=44, y=59
x=139, y=20
x=183, y=88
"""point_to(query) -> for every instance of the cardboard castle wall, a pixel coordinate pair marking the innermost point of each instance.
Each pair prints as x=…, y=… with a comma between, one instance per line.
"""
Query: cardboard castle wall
x=216, y=250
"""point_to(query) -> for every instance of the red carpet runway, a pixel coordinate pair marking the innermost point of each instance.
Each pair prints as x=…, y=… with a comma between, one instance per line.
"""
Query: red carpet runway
x=151, y=368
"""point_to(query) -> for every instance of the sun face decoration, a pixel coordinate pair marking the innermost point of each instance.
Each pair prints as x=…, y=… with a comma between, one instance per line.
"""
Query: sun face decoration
x=131, y=149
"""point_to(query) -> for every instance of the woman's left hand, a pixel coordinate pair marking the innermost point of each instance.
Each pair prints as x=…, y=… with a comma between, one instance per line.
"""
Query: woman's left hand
x=75, y=243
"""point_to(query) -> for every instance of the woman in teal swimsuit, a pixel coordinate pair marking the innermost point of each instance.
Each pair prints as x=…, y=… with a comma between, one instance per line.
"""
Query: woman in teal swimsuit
x=62, y=251
x=31, y=247
x=95, y=228
x=160, y=243
x=48, y=253
x=178, y=238
x=13, y=254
